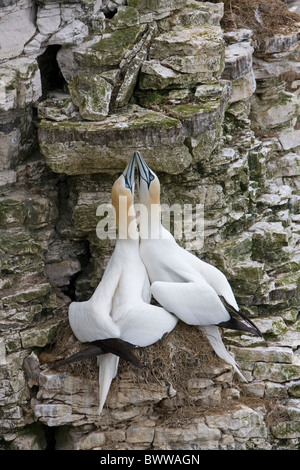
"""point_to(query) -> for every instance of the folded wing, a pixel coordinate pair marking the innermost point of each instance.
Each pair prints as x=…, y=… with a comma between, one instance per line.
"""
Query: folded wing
x=195, y=303
x=145, y=324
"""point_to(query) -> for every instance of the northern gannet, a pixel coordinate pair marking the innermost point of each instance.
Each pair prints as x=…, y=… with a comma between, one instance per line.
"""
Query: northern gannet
x=193, y=290
x=120, y=309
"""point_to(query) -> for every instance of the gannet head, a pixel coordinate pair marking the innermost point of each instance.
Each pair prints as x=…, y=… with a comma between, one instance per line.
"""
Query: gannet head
x=122, y=197
x=148, y=182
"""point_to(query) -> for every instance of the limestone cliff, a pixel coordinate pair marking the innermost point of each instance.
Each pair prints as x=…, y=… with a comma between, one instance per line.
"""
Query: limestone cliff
x=214, y=111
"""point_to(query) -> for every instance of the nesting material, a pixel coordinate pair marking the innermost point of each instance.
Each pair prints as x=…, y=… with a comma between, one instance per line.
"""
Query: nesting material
x=265, y=18
x=182, y=355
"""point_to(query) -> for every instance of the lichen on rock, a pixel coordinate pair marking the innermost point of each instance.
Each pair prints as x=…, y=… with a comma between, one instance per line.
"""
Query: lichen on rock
x=210, y=99
x=91, y=93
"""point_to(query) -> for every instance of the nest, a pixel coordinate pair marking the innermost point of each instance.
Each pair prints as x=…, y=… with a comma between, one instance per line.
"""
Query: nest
x=182, y=355
x=264, y=17
x=64, y=346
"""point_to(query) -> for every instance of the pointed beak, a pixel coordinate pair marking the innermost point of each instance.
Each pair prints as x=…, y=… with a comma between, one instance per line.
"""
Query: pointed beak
x=128, y=174
x=144, y=172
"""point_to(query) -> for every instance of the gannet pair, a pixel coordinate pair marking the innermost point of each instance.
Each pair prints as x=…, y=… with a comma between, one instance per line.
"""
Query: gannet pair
x=193, y=290
x=119, y=314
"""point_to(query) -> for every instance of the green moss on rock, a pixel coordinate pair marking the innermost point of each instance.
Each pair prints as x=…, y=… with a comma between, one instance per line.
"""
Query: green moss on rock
x=294, y=390
x=92, y=94
x=110, y=49
x=269, y=239
x=91, y=147
x=27, y=295
x=126, y=16
x=286, y=430
x=276, y=372
x=12, y=212
x=20, y=253
x=41, y=334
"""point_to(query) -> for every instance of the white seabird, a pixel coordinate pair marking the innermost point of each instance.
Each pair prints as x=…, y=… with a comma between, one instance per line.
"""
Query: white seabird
x=119, y=310
x=195, y=291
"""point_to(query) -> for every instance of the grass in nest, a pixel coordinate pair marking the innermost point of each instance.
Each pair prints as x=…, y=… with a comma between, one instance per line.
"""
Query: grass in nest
x=265, y=17
x=65, y=345
x=182, y=355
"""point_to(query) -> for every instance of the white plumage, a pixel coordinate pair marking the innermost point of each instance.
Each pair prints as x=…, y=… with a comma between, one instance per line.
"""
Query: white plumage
x=196, y=292
x=119, y=307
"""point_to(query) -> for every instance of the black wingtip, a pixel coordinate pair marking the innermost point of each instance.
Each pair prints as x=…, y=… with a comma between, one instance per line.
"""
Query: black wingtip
x=98, y=348
x=120, y=348
x=87, y=353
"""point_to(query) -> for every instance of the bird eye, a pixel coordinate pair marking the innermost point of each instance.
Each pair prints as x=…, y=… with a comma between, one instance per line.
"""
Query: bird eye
x=150, y=178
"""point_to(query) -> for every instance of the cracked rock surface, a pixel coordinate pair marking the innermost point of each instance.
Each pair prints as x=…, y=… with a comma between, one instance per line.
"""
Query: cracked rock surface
x=82, y=85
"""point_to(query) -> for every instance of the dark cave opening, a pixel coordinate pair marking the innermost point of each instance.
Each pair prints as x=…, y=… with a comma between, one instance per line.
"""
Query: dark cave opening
x=51, y=76
x=50, y=438
x=68, y=260
x=79, y=288
x=109, y=13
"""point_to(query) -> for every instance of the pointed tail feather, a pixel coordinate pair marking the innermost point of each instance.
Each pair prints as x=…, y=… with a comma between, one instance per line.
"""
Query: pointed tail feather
x=250, y=322
x=118, y=347
x=108, y=367
x=234, y=324
x=214, y=337
x=241, y=314
x=87, y=353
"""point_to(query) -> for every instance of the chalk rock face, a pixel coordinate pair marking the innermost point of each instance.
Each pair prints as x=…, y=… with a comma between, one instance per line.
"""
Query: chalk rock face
x=91, y=94
x=48, y=18
x=238, y=60
x=109, y=49
x=118, y=134
x=17, y=27
x=184, y=56
x=20, y=82
x=83, y=84
x=190, y=50
x=72, y=33
x=158, y=8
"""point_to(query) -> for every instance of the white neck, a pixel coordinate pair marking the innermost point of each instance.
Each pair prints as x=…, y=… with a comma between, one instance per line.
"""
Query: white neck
x=150, y=222
x=126, y=221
